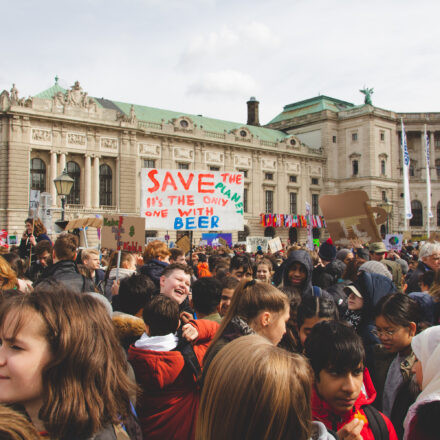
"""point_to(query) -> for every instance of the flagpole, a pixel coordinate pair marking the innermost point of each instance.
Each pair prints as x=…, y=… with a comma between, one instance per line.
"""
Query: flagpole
x=428, y=187
x=405, y=169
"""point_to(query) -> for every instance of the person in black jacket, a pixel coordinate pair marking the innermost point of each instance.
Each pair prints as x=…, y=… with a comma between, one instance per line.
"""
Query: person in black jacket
x=429, y=259
x=64, y=268
x=34, y=233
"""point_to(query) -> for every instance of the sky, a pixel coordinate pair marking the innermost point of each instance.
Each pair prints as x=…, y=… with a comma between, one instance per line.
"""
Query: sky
x=209, y=57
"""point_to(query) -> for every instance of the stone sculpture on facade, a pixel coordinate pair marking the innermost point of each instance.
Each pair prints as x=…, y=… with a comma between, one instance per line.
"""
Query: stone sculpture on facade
x=75, y=98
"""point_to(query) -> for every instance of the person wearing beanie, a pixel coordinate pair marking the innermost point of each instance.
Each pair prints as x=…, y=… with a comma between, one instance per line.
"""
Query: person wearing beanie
x=327, y=252
x=323, y=273
x=344, y=255
x=376, y=267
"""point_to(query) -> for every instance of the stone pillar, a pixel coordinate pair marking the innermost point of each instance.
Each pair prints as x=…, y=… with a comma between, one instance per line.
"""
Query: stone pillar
x=62, y=162
x=117, y=183
x=95, y=186
x=87, y=181
x=53, y=175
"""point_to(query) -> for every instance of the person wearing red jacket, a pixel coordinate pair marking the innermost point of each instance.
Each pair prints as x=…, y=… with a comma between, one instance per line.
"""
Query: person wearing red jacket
x=168, y=405
x=343, y=390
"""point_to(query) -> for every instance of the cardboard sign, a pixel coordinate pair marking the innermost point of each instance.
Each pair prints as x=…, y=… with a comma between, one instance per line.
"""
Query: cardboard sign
x=252, y=244
x=218, y=239
x=275, y=245
x=316, y=242
x=184, y=243
x=123, y=233
x=393, y=242
x=3, y=237
x=12, y=240
x=187, y=200
x=349, y=216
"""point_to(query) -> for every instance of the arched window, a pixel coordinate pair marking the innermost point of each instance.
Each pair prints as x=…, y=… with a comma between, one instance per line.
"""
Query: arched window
x=38, y=175
x=417, y=212
x=74, y=172
x=438, y=214
x=105, y=185
x=355, y=165
x=382, y=167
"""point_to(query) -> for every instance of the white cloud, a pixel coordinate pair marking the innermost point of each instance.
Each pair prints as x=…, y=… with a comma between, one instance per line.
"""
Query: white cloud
x=224, y=82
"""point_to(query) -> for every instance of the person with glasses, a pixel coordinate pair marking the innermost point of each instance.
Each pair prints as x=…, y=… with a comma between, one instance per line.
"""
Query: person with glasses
x=397, y=322
x=429, y=259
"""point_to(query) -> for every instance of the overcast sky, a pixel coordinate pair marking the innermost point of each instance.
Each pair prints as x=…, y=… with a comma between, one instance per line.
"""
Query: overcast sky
x=209, y=56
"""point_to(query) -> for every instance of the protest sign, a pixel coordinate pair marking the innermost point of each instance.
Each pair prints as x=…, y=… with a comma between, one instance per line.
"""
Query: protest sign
x=12, y=240
x=184, y=243
x=192, y=200
x=349, y=216
x=275, y=244
x=316, y=242
x=393, y=242
x=215, y=239
x=3, y=237
x=123, y=233
x=253, y=243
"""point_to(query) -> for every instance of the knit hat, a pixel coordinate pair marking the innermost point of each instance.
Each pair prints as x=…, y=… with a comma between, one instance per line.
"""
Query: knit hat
x=376, y=267
x=327, y=251
x=363, y=253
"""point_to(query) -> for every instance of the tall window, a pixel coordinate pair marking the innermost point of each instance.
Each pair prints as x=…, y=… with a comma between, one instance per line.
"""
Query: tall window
x=38, y=175
x=269, y=201
x=183, y=166
x=214, y=168
x=293, y=207
x=417, y=212
x=437, y=167
x=245, y=200
x=315, y=204
x=411, y=170
x=382, y=167
x=149, y=163
x=355, y=165
x=105, y=185
x=74, y=172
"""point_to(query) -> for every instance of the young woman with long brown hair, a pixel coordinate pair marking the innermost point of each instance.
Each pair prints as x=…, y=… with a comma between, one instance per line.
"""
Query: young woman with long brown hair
x=61, y=362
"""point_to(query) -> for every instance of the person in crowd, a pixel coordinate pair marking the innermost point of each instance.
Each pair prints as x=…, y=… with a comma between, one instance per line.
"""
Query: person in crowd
x=47, y=353
x=397, y=322
x=241, y=267
x=127, y=268
x=168, y=404
x=206, y=295
x=434, y=292
x=362, y=254
x=18, y=266
x=421, y=422
x=64, y=268
x=34, y=232
x=175, y=283
x=256, y=307
x=90, y=259
x=43, y=259
x=203, y=266
x=363, y=295
x=15, y=426
x=374, y=266
x=429, y=260
x=264, y=270
x=177, y=256
x=326, y=271
x=8, y=277
x=229, y=285
x=343, y=391
x=295, y=274
x=278, y=380
x=156, y=259
x=311, y=311
x=134, y=292
x=377, y=251
x=345, y=255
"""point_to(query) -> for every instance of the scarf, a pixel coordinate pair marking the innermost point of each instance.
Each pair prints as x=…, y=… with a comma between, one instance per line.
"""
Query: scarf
x=157, y=343
x=353, y=317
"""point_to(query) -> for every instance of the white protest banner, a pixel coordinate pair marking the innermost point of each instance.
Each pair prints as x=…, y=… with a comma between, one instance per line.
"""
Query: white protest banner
x=275, y=244
x=393, y=242
x=123, y=233
x=253, y=243
x=187, y=200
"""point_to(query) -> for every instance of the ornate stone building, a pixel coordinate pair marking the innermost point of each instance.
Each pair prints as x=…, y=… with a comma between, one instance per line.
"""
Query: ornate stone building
x=321, y=145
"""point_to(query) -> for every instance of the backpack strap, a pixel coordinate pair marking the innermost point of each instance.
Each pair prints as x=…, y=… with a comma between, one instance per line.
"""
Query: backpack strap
x=189, y=356
x=376, y=422
x=317, y=292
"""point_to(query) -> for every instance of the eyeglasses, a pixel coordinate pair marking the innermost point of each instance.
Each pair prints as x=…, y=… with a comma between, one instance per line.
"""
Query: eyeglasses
x=389, y=333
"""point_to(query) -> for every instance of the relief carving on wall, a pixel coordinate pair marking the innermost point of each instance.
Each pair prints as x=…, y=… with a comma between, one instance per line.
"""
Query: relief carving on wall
x=76, y=139
x=268, y=163
x=183, y=153
x=109, y=143
x=214, y=157
x=149, y=149
x=293, y=167
x=40, y=135
x=242, y=161
x=315, y=170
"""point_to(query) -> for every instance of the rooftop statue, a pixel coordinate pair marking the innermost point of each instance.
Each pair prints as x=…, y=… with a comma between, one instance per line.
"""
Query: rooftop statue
x=367, y=92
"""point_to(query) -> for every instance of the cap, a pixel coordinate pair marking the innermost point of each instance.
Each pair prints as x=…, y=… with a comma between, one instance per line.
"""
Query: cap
x=378, y=247
x=352, y=289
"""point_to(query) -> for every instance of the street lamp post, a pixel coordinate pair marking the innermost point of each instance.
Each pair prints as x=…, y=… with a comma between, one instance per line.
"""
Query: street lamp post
x=388, y=207
x=63, y=184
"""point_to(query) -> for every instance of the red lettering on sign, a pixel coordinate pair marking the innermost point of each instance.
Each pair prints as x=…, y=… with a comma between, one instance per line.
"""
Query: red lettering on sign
x=188, y=182
x=205, y=183
x=156, y=186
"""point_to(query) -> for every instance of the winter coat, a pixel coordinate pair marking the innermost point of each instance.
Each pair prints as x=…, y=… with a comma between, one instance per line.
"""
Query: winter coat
x=25, y=246
x=203, y=270
x=153, y=269
x=328, y=275
x=168, y=405
x=413, y=280
x=67, y=273
x=322, y=412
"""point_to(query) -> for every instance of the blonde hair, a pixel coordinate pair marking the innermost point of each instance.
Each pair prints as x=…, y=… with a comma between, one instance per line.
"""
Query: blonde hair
x=15, y=426
x=87, y=253
x=8, y=277
x=268, y=400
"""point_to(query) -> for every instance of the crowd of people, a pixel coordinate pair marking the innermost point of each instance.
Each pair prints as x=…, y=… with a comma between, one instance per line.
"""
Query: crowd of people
x=334, y=343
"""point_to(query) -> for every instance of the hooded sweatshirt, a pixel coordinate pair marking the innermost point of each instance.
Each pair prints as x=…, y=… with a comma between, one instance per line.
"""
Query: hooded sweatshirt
x=303, y=258
x=169, y=401
x=322, y=411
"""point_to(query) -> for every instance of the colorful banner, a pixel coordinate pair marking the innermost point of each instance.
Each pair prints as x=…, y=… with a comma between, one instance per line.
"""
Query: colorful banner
x=123, y=233
x=186, y=200
x=291, y=221
x=405, y=167
x=217, y=239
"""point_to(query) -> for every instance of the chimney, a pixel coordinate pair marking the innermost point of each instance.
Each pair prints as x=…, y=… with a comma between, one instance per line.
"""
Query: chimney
x=253, y=117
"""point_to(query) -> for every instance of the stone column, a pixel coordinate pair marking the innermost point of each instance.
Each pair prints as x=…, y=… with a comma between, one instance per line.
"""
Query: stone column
x=87, y=181
x=62, y=162
x=117, y=183
x=53, y=175
x=95, y=186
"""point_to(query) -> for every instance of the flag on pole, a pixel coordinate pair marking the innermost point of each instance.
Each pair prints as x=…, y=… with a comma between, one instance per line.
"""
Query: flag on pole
x=428, y=177
x=405, y=167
